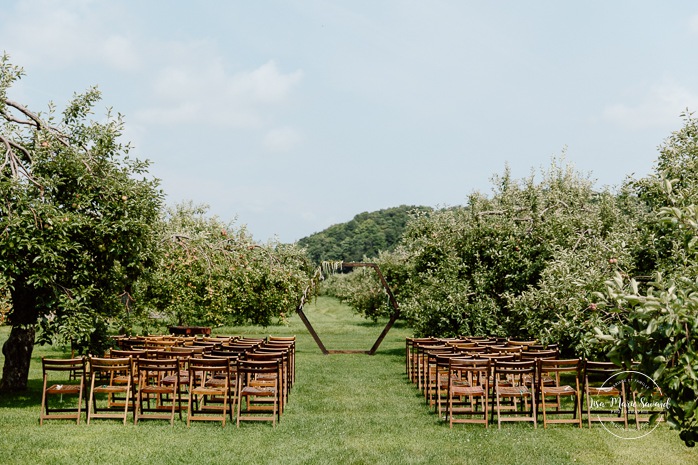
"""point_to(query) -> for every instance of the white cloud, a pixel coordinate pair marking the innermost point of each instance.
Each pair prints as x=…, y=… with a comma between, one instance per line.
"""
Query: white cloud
x=189, y=81
x=281, y=139
x=657, y=107
x=207, y=93
x=62, y=34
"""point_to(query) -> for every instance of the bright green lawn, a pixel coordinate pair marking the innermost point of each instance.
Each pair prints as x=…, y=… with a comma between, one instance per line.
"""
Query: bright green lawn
x=344, y=409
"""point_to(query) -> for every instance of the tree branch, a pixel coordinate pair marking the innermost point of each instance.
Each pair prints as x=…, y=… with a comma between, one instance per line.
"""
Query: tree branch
x=26, y=112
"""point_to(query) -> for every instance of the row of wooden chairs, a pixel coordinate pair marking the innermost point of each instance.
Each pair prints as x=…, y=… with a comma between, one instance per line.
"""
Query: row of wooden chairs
x=250, y=381
x=418, y=352
x=414, y=348
x=166, y=341
x=466, y=386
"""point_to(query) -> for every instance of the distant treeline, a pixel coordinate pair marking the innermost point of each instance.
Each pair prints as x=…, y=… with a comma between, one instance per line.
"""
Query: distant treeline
x=364, y=236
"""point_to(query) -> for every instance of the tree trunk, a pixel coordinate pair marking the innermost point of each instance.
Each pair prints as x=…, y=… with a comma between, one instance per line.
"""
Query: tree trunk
x=19, y=346
x=18, y=352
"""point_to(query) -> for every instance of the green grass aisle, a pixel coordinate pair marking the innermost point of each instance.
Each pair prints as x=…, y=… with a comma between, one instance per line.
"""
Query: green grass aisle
x=344, y=409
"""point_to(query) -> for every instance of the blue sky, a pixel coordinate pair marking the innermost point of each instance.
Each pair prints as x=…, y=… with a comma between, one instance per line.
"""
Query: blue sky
x=291, y=116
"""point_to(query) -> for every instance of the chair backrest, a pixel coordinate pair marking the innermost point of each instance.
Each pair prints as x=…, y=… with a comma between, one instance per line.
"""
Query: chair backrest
x=514, y=371
x=495, y=357
x=136, y=353
x=414, y=341
x=209, y=367
x=489, y=342
x=184, y=340
x=538, y=347
x=525, y=344
x=157, y=353
x=111, y=364
x=477, y=338
x=183, y=350
x=256, y=367
x=443, y=360
x=431, y=347
x=474, y=350
x=195, y=350
x=280, y=344
x=463, y=345
x=241, y=348
x=224, y=353
x=263, y=355
x=539, y=354
x=477, y=369
x=71, y=365
x=281, y=339
x=505, y=349
x=556, y=367
x=158, y=343
x=217, y=339
x=602, y=370
x=202, y=343
x=157, y=366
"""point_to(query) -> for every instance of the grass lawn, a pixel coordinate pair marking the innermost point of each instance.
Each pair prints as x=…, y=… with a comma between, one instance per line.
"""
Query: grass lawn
x=343, y=409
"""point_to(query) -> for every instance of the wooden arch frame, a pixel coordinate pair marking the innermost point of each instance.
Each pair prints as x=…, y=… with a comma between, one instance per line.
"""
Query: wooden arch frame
x=393, y=317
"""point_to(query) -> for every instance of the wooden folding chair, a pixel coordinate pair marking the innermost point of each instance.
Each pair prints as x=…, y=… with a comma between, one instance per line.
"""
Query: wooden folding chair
x=411, y=355
x=261, y=355
x=289, y=344
x=259, y=386
x=106, y=370
x=554, y=369
x=520, y=393
x=605, y=393
x=209, y=390
x=157, y=397
x=468, y=391
x=67, y=378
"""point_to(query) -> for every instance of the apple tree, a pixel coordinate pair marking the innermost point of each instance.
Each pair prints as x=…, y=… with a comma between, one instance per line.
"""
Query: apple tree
x=469, y=265
x=658, y=321
x=210, y=272
x=77, y=218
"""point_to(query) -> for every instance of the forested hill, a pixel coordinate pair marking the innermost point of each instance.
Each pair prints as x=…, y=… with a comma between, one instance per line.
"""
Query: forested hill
x=364, y=236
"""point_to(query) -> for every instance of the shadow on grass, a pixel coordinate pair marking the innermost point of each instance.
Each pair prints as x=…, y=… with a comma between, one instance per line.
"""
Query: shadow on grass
x=31, y=397
x=396, y=352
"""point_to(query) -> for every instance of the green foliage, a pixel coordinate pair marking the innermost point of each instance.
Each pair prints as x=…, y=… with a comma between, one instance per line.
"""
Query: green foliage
x=520, y=263
x=362, y=290
x=77, y=216
x=212, y=273
x=658, y=325
x=561, y=306
x=364, y=236
x=658, y=334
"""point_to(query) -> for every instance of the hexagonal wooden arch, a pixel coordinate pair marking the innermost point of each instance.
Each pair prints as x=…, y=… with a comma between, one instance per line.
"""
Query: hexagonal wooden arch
x=393, y=317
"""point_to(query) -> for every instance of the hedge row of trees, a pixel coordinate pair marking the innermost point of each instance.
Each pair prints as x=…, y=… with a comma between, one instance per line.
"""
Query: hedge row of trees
x=524, y=261
x=86, y=246
x=603, y=273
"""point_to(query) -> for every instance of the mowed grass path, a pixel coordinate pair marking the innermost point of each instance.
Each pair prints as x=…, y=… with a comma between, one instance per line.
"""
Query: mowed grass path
x=344, y=409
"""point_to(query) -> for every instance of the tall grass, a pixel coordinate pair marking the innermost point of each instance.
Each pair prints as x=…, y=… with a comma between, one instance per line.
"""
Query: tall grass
x=344, y=409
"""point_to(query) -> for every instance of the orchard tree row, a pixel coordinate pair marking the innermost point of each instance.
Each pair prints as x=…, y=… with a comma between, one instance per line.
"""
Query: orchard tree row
x=87, y=248
x=605, y=274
